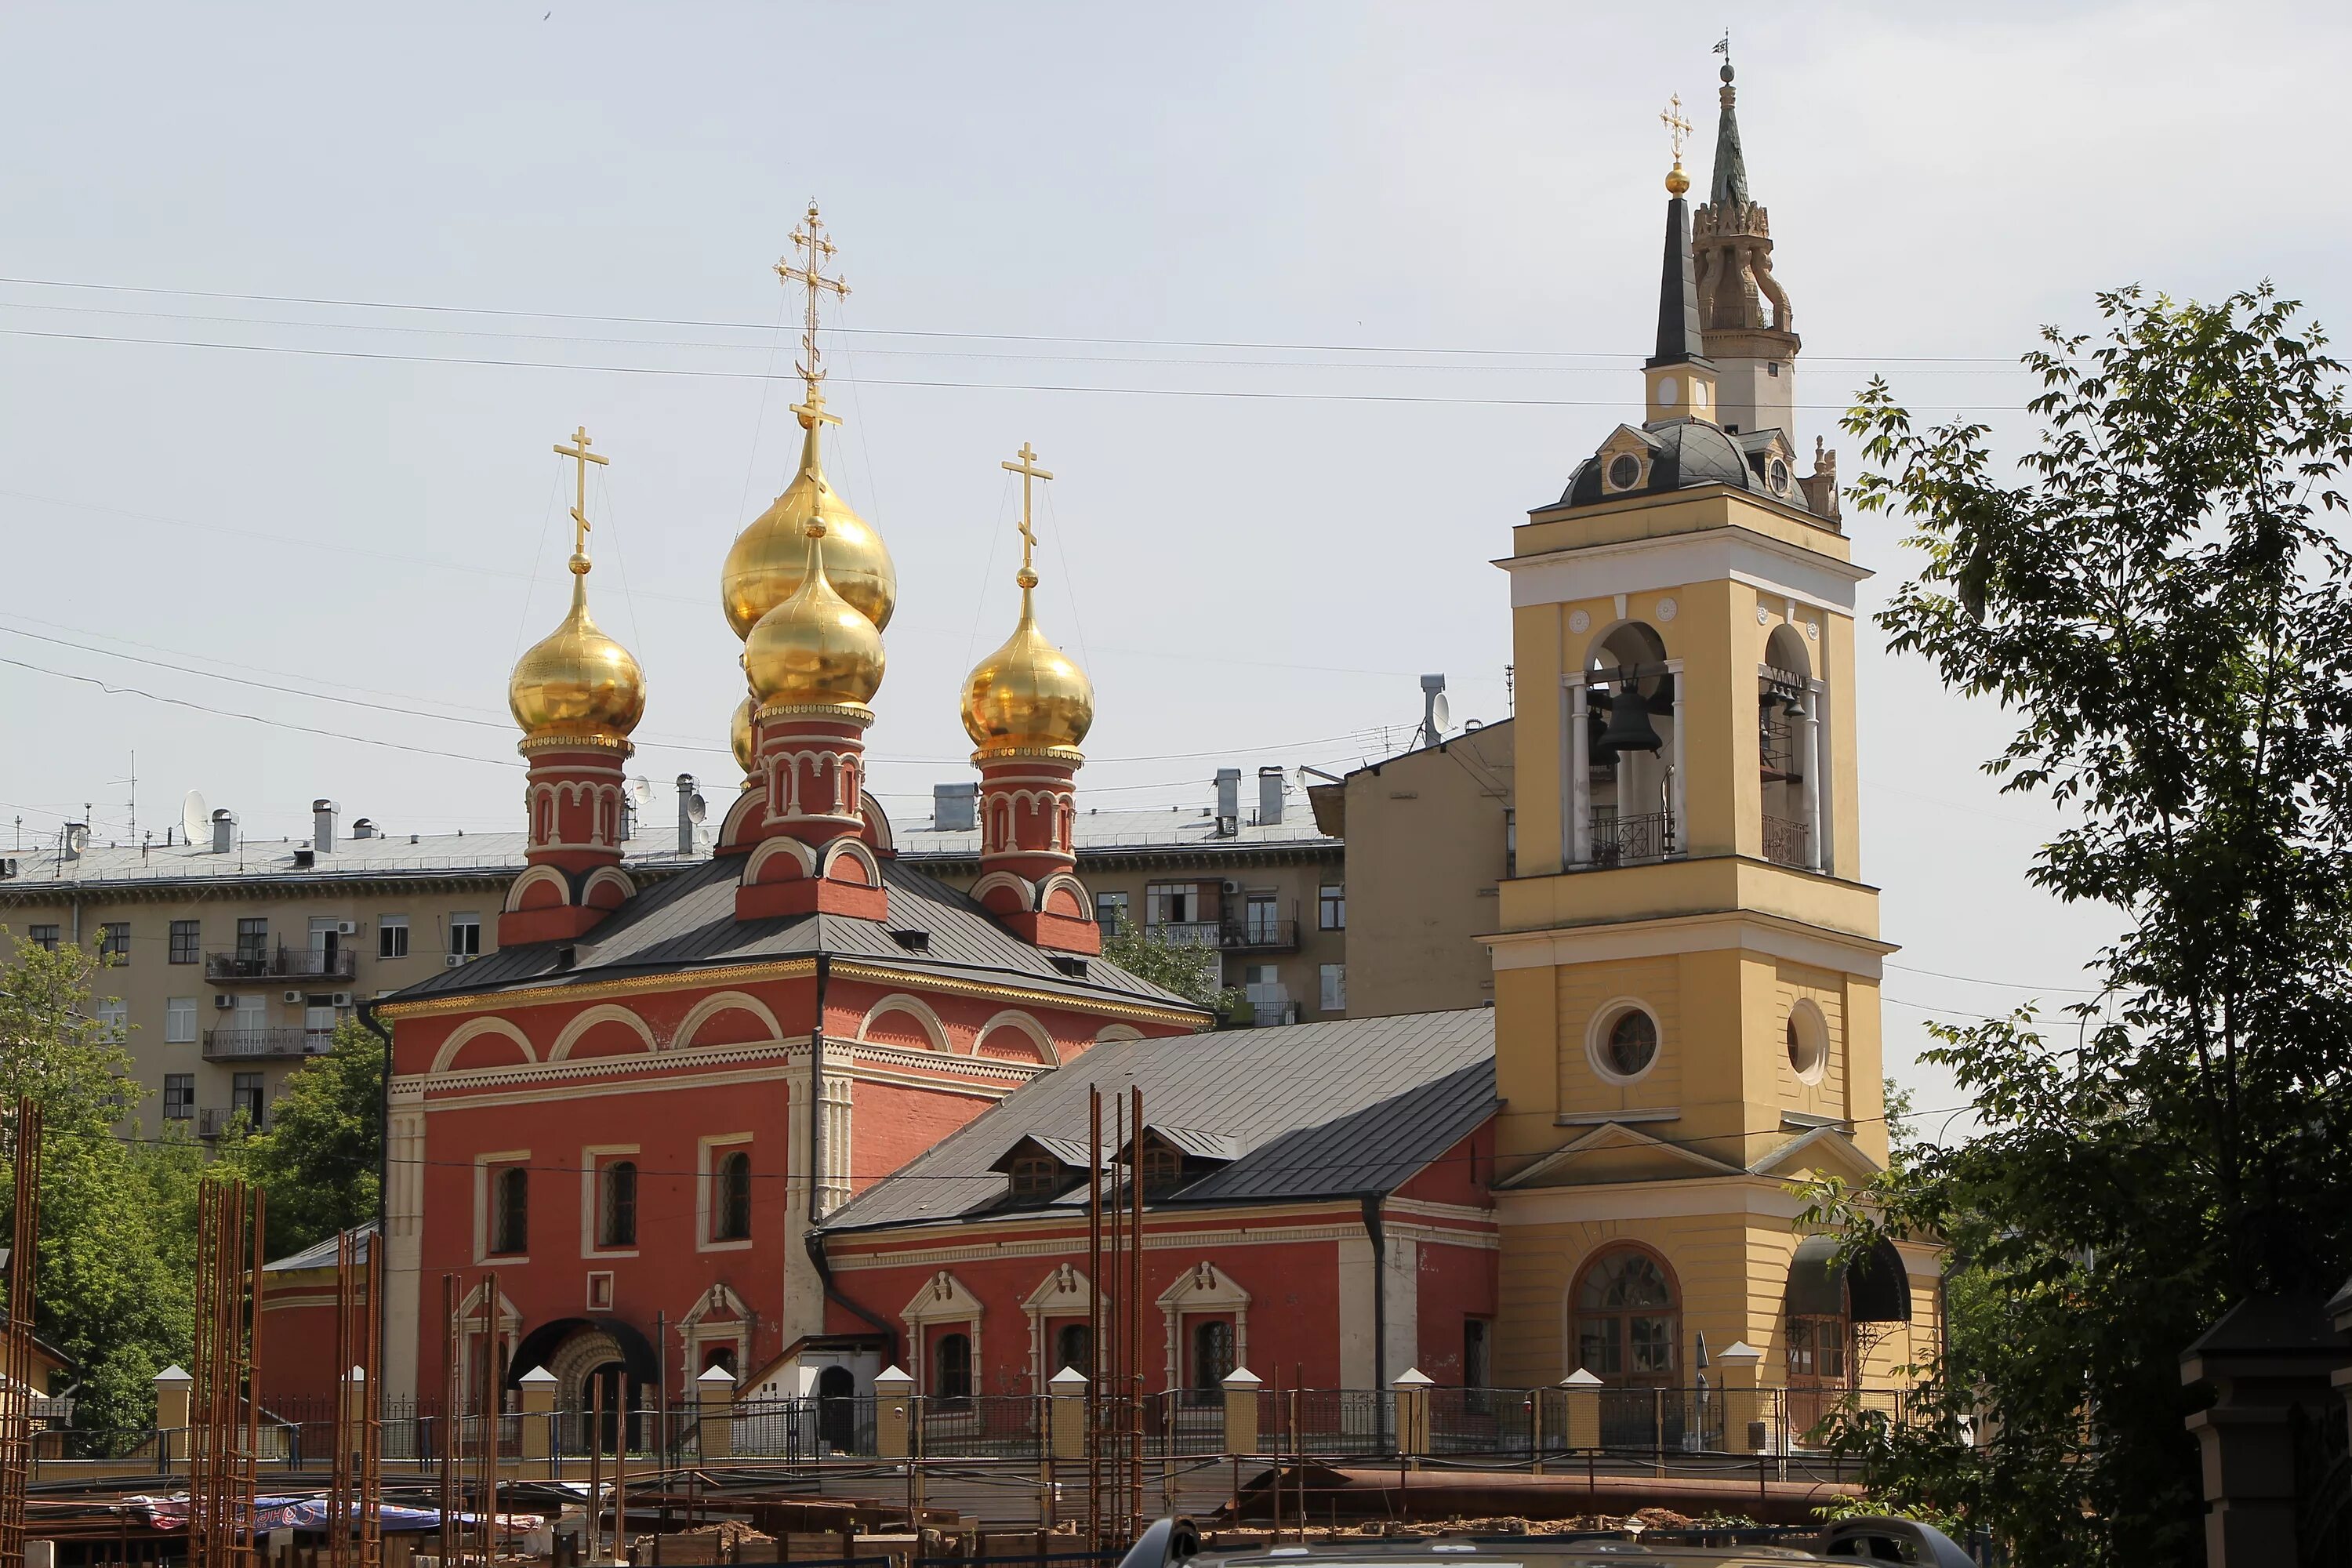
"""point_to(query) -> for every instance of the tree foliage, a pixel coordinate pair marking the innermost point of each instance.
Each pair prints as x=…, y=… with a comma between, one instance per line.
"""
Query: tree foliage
x=319, y=1160
x=1189, y=969
x=2160, y=603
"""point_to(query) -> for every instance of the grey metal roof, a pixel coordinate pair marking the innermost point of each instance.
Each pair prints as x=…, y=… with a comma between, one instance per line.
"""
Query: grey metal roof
x=689, y=921
x=490, y=856
x=1331, y=1110
x=1133, y=832
x=1068, y=1151
x=321, y=1253
x=1197, y=1141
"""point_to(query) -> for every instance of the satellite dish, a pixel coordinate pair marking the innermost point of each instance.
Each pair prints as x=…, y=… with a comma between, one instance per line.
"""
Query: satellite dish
x=194, y=817
x=641, y=793
x=1441, y=712
x=696, y=809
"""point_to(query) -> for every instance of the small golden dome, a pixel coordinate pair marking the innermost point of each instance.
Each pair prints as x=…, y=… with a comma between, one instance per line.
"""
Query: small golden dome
x=764, y=566
x=1028, y=695
x=740, y=736
x=816, y=649
x=576, y=682
x=1676, y=181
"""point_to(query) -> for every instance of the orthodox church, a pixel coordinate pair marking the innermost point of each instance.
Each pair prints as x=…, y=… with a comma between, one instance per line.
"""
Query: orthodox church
x=804, y=1114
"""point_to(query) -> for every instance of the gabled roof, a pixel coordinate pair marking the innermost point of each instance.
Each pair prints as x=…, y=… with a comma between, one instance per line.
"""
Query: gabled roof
x=1631, y=1145
x=321, y=1253
x=1195, y=1142
x=689, y=922
x=1070, y=1152
x=1313, y=1110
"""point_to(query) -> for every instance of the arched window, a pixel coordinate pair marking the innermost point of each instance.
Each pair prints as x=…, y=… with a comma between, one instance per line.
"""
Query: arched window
x=1163, y=1169
x=1784, y=747
x=1628, y=1318
x=1627, y=755
x=730, y=1214
x=1074, y=1347
x=1213, y=1359
x=510, y=1217
x=616, y=1219
x=722, y=1356
x=951, y=1367
x=1036, y=1177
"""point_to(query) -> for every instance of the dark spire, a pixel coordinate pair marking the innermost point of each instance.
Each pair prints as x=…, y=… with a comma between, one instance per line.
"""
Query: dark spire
x=1730, y=186
x=1678, y=334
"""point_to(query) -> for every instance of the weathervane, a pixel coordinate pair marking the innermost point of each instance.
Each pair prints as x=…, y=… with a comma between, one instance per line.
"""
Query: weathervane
x=582, y=457
x=1030, y=473
x=816, y=250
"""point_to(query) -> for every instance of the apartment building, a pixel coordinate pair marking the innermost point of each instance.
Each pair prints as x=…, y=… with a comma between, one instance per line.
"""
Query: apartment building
x=230, y=960
x=1261, y=885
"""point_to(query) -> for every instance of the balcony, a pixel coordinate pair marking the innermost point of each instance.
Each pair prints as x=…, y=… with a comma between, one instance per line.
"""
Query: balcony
x=1251, y=933
x=1784, y=842
x=1623, y=840
x=214, y=1121
x=281, y=962
x=271, y=1044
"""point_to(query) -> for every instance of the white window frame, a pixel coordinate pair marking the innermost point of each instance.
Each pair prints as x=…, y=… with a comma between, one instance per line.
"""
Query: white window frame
x=593, y=1158
x=483, y=1165
x=1596, y=1039
x=385, y=926
x=179, y=1020
x=1332, y=979
x=113, y=1016
x=708, y=1152
x=460, y=919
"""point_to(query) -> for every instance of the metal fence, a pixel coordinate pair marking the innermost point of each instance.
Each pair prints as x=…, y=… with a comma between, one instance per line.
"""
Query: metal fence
x=804, y=1428
x=1327, y=1421
x=1008, y=1426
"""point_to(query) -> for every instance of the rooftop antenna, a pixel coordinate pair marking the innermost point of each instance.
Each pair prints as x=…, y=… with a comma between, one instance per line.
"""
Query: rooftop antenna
x=1437, y=714
x=195, y=820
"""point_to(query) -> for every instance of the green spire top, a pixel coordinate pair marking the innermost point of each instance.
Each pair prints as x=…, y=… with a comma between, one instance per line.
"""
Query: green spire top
x=1729, y=187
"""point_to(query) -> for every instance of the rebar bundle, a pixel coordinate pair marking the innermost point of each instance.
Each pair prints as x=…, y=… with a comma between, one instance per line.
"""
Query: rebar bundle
x=225, y=1418
x=355, y=1490
x=19, y=1365
x=1114, y=1422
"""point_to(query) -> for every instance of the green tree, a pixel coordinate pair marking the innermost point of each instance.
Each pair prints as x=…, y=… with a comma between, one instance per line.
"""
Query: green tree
x=319, y=1161
x=114, y=1291
x=1189, y=969
x=2158, y=602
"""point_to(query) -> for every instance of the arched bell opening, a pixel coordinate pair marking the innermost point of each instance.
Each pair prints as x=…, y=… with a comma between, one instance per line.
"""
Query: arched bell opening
x=1788, y=749
x=1625, y=734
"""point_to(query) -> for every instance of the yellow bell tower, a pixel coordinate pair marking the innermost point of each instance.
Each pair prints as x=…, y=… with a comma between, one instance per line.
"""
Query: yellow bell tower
x=1686, y=973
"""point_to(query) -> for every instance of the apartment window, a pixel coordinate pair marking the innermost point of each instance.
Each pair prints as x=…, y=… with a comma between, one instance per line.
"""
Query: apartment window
x=1262, y=917
x=114, y=1018
x=1335, y=988
x=252, y=939
x=1268, y=997
x=1169, y=903
x=510, y=1212
x=42, y=936
x=616, y=1204
x=730, y=1209
x=114, y=941
x=180, y=1021
x=188, y=941
x=392, y=937
x=466, y=936
x=1111, y=911
x=245, y=1094
x=1332, y=907
x=179, y=1095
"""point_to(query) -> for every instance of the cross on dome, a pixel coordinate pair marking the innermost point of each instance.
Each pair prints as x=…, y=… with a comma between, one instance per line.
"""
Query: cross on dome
x=1030, y=473
x=582, y=457
x=816, y=252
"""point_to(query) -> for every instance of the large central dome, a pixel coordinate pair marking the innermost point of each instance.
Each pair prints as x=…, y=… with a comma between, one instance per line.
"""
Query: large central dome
x=770, y=558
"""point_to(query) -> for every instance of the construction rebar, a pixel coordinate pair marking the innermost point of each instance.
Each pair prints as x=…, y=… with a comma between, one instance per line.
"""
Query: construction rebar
x=450, y=1426
x=354, y=1488
x=225, y=1418
x=19, y=1368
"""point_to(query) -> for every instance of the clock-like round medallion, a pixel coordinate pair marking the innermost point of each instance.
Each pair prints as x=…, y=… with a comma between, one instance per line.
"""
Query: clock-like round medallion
x=1578, y=621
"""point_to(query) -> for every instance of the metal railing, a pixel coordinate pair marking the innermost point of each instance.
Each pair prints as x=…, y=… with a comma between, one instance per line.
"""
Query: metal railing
x=1619, y=840
x=1004, y=1425
x=1784, y=841
x=283, y=962
x=213, y=1121
x=1328, y=1421
x=1248, y=933
x=239, y=1045
x=804, y=1428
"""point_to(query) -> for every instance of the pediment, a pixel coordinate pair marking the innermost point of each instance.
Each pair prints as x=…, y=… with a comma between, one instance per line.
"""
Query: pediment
x=1823, y=1152
x=1613, y=1152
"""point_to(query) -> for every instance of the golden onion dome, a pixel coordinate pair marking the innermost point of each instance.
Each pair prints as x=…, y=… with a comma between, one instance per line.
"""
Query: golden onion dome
x=765, y=565
x=1028, y=695
x=576, y=682
x=740, y=736
x=815, y=649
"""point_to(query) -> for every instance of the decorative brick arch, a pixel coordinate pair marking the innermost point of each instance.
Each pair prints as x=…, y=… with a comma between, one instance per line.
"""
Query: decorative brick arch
x=755, y=871
x=607, y=888
x=1014, y=1018
x=557, y=889
x=915, y=1007
x=602, y=1013
x=867, y=871
x=466, y=1034
x=720, y=1002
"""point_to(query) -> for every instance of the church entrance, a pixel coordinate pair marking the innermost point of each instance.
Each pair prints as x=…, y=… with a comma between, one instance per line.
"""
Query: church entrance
x=836, y=1410
x=602, y=1386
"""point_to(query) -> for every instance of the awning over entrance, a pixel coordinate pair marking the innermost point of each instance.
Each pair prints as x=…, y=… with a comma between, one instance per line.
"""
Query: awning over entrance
x=1873, y=1288
x=637, y=1357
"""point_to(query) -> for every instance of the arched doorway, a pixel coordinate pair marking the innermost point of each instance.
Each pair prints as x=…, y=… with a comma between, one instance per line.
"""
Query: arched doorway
x=1831, y=1319
x=1626, y=1322
x=836, y=1410
x=586, y=1358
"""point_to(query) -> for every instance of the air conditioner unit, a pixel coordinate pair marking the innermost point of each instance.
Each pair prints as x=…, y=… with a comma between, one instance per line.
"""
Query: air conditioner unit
x=347, y=928
x=1231, y=887
x=343, y=998
x=290, y=998
x=452, y=959
x=224, y=1000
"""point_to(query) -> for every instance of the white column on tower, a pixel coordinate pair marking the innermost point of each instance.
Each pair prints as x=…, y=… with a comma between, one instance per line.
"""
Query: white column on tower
x=1676, y=824
x=1817, y=853
x=1578, y=792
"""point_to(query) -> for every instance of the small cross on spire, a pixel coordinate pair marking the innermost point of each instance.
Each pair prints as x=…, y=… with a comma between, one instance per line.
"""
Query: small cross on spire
x=582, y=457
x=1677, y=128
x=1030, y=473
x=816, y=250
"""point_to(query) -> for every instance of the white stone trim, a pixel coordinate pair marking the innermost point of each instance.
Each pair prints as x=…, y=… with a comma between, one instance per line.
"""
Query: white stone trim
x=1607, y=1013
x=707, y=1152
x=1817, y=947
x=720, y=1002
x=1203, y=1289
x=1015, y=1018
x=531, y=879
x=473, y=1029
x=591, y=1174
x=914, y=1007
x=1783, y=571
x=602, y=1013
x=800, y=853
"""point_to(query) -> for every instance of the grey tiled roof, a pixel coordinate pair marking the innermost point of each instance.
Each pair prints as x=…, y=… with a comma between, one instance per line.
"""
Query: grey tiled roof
x=690, y=922
x=262, y=862
x=1129, y=832
x=321, y=1253
x=1338, y=1109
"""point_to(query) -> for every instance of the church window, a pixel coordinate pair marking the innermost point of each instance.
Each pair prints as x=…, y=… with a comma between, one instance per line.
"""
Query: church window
x=1213, y=1359
x=616, y=1222
x=1036, y=1177
x=1074, y=1347
x=510, y=1212
x=731, y=1213
x=951, y=1367
x=1624, y=471
x=1627, y=1318
x=1333, y=907
x=722, y=1357
x=1808, y=1039
x=1628, y=1044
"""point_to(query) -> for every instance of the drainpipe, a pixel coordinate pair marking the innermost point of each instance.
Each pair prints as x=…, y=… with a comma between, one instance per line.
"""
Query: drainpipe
x=1380, y=1290
x=833, y=1293
x=816, y=1098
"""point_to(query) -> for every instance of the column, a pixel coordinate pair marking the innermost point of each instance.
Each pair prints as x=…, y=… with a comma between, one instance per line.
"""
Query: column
x=538, y=1413
x=1817, y=851
x=405, y=1247
x=1580, y=1393
x=1678, y=825
x=1747, y=1428
x=1412, y=1392
x=1069, y=1436
x=714, y=1413
x=1576, y=745
x=172, y=1389
x=1241, y=1410
x=894, y=1390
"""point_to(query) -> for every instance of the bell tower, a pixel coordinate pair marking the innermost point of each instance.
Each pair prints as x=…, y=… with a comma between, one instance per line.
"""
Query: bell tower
x=1687, y=966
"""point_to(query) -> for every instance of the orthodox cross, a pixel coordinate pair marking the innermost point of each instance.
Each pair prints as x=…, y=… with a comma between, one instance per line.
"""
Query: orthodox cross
x=1030, y=473
x=1677, y=128
x=816, y=250
x=581, y=457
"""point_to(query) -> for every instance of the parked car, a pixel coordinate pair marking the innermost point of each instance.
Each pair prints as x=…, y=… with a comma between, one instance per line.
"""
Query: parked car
x=1176, y=1543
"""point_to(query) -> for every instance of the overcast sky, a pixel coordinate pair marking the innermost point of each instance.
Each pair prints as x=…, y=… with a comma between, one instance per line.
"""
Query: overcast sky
x=360, y=504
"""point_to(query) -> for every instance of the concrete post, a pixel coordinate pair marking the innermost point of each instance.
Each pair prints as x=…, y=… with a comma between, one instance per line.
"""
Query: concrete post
x=538, y=1413
x=1411, y=1391
x=2265, y=1357
x=1241, y=1410
x=1580, y=1393
x=894, y=1391
x=174, y=1388
x=714, y=1413
x=1068, y=1388
x=1746, y=1424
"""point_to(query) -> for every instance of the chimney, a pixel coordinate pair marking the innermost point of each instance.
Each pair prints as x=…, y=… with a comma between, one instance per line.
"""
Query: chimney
x=365, y=829
x=223, y=831
x=323, y=827
x=1269, y=797
x=689, y=812
x=955, y=807
x=1229, y=802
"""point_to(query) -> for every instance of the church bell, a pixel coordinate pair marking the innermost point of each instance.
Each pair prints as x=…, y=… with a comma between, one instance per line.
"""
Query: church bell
x=1629, y=726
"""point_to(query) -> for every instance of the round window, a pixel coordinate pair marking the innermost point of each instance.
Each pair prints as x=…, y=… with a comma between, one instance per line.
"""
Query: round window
x=1808, y=1043
x=1631, y=1045
x=1780, y=475
x=1624, y=471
